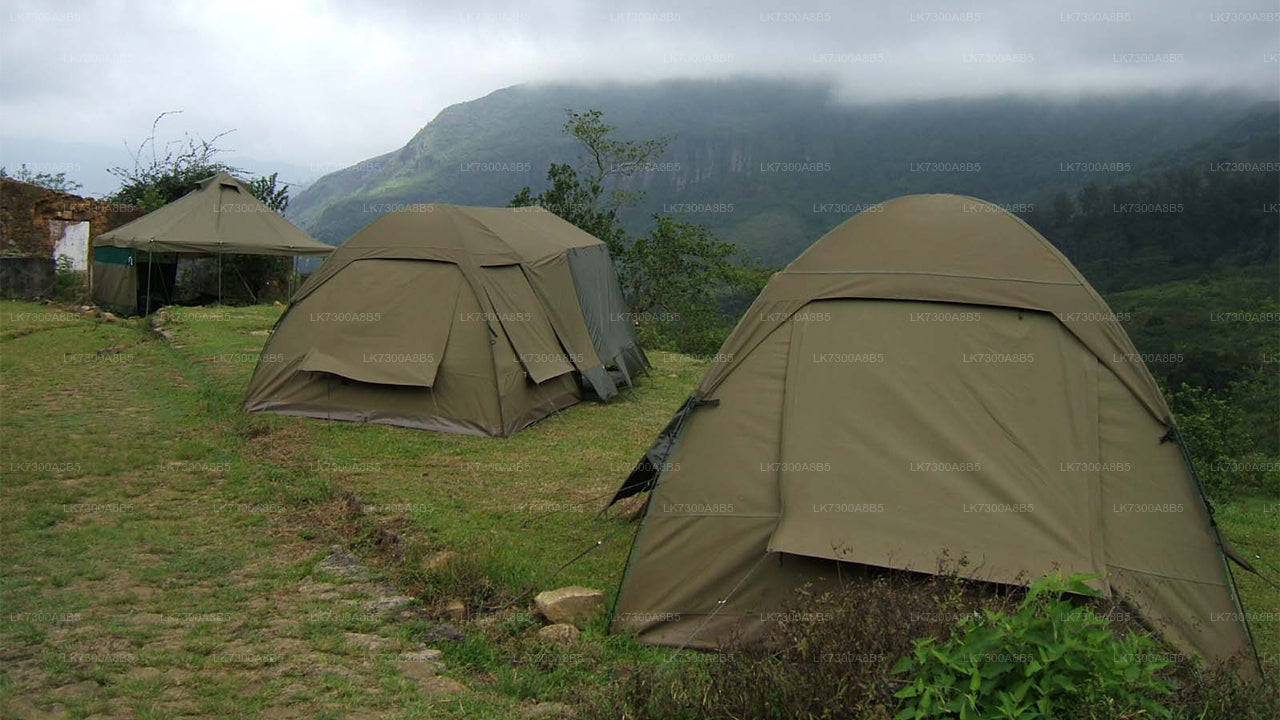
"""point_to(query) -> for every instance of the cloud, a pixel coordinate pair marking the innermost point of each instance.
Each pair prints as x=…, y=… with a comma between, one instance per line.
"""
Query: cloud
x=321, y=84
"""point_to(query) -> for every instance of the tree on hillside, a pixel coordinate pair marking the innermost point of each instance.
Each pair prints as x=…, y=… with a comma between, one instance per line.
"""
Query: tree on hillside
x=272, y=194
x=53, y=181
x=579, y=195
x=677, y=276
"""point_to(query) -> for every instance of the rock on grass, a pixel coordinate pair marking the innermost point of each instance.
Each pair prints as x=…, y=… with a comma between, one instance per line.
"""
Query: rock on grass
x=573, y=605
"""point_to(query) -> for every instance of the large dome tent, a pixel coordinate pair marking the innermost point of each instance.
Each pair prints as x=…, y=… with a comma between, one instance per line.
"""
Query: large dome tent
x=459, y=319
x=930, y=379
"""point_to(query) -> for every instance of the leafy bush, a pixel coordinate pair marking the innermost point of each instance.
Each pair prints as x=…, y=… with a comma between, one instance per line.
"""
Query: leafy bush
x=68, y=283
x=834, y=654
x=1044, y=660
x=1218, y=694
x=828, y=655
x=677, y=276
x=1218, y=434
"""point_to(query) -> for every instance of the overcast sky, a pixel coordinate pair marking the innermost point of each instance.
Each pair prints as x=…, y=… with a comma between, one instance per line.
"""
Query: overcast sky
x=311, y=86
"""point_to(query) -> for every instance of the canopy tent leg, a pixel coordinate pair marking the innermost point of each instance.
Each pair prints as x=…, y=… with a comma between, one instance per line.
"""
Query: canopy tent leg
x=219, y=279
x=147, y=310
x=249, y=289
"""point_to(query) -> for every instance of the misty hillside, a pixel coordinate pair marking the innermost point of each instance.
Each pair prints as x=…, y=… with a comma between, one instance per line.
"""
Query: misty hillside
x=776, y=164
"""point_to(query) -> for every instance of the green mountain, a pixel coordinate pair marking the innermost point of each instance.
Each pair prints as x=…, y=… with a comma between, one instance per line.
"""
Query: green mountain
x=772, y=165
x=1211, y=206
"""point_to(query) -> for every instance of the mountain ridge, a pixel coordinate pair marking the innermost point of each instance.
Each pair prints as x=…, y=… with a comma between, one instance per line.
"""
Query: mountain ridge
x=767, y=164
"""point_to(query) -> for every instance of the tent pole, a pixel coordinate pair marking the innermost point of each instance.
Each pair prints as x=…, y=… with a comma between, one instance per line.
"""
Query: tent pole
x=148, y=310
x=219, y=279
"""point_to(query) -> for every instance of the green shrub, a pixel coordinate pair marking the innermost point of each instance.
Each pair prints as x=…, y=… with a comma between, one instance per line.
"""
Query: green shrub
x=1043, y=660
x=1218, y=694
x=68, y=283
x=827, y=655
x=698, y=331
x=1219, y=434
x=877, y=646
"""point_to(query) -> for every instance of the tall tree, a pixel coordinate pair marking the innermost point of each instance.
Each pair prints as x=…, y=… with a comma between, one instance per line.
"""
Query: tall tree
x=579, y=194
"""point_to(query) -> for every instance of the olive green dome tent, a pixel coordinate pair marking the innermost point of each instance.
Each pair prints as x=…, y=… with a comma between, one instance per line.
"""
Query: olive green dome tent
x=134, y=265
x=459, y=319
x=930, y=379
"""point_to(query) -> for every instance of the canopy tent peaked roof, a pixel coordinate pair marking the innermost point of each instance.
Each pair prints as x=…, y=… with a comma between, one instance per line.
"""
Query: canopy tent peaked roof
x=221, y=216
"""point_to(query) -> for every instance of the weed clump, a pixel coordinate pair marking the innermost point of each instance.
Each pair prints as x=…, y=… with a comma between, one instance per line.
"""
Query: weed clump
x=902, y=645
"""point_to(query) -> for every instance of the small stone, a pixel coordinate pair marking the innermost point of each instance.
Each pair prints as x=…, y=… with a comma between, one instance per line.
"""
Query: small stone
x=559, y=633
x=438, y=560
x=440, y=685
x=14, y=653
x=388, y=603
x=574, y=605
x=371, y=642
x=418, y=671
x=24, y=709
x=84, y=688
x=344, y=565
x=143, y=674
x=544, y=710
x=420, y=664
x=108, y=317
x=423, y=655
x=455, y=610
x=149, y=619
x=445, y=631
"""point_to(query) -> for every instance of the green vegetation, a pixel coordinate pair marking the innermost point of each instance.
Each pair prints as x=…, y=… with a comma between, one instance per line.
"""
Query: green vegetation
x=678, y=276
x=68, y=283
x=161, y=175
x=162, y=557
x=686, y=286
x=895, y=645
x=580, y=195
x=53, y=181
x=1047, y=658
x=1214, y=343
x=165, y=553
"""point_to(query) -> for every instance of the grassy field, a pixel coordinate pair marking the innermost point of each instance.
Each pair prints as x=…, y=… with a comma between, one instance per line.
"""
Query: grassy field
x=160, y=546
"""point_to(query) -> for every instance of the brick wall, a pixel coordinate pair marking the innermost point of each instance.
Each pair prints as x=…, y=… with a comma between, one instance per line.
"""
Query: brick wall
x=26, y=209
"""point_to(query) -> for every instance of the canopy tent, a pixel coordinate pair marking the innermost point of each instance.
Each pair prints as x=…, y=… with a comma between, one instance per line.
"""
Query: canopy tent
x=459, y=319
x=930, y=379
x=220, y=217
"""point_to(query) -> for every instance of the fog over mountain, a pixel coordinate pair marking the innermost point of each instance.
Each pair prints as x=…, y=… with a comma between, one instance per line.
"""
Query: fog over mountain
x=773, y=164
x=316, y=85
